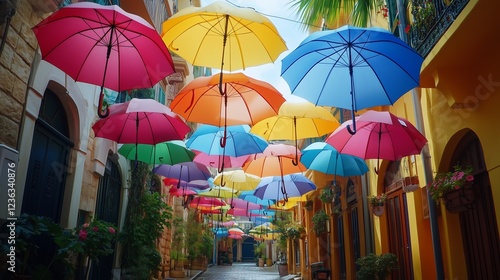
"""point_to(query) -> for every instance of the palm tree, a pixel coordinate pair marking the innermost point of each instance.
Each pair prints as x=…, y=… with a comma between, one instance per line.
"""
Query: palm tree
x=311, y=12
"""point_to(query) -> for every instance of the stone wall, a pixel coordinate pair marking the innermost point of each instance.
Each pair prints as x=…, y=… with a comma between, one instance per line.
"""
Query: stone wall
x=15, y=66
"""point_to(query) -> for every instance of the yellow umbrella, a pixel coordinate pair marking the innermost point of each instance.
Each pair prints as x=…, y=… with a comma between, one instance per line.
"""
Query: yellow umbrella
x=223, y=36
x=237, y=180
x=296, y=120
x=220, y=192
x=292, y=201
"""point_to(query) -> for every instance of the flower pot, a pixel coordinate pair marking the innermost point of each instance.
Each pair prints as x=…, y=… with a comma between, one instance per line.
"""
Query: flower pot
x=269, y=262
x=460, y=200
x=378, y=210
x=261, y=262
x=283, y=269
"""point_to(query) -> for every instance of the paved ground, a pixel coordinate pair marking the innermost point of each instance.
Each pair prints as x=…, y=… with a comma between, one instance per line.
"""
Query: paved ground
x=244, y=271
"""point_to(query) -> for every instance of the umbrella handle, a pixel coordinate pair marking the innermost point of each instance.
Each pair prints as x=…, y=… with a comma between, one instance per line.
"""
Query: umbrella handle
x=100, y=112
x=353, y=131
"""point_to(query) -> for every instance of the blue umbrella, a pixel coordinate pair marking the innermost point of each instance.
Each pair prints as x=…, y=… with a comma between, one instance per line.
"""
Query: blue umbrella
x=352, y=68
x=283, y=187
x=239, y=141
x=249, y=196
x=323, y=157
x=185, y=171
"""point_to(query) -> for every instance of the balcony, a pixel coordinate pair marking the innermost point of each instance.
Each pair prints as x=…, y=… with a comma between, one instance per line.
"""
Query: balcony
x=430, y=19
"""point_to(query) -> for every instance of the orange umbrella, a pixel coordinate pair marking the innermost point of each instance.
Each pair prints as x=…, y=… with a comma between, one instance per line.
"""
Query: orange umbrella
x=263, y=166
x=245, y=100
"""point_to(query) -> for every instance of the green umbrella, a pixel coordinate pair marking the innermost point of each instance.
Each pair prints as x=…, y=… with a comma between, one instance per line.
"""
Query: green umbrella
x=170, y=152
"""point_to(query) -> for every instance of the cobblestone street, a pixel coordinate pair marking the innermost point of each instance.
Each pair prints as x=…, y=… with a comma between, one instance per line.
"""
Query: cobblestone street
x=247, y=271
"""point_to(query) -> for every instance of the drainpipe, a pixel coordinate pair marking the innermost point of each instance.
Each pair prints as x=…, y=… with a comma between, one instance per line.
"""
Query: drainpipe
x=426, y=158
x=369, y=240
x=7, y=17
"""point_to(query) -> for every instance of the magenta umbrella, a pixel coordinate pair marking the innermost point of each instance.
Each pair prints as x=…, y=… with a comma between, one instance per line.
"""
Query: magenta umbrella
x=116, y=49
x=243, y=204
x=380, y=135
x=141, y=121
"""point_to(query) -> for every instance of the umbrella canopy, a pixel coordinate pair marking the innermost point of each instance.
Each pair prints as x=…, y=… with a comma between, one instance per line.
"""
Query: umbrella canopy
x=239, y=141
x=140, y=121
x=280, y=188
x=116, y=49
x=243, y=204
x=352, y=68
x=207, y=201
x=184, y=171
x=250, y=197
x=237, y=180
x=221, y=192
x=245, y=100
x=181, y=191
x=381, y=135
x=264, y=166
x=195, y=184
x=296, y=120
x=217, y=161
x=223, y=36
x=323, y=157
x=170, y=152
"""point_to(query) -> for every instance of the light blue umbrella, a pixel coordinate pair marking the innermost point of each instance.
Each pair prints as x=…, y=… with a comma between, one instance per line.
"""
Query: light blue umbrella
x=239, y=141
x=323, y=157
x=283, y=187
x=249, y=196
x=352, y=68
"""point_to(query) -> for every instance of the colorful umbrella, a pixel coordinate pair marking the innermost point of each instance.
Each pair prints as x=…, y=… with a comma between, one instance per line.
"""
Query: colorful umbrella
x=220, y=192
x=216, y=161
x=239, y=141
x=352, y=68
x=195, y=184
x=170, y=152
x=323, y=157
x=116, y=50
x=243, y=204
x=237, y=180
x=264, y=166
x=250, y=197
x=140, y=121
x=223, y=36
x=181, y=191
x=245, y=100
x=207, y=201
x=296, y=120
x=381, y=135
x=282, y=187
x=184, y=171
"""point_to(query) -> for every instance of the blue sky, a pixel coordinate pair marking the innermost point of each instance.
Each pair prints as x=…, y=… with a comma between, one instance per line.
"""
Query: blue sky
x=278, y=11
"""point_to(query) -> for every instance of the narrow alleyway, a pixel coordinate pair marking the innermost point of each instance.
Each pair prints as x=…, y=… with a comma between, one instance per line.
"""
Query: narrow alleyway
x=247, y=271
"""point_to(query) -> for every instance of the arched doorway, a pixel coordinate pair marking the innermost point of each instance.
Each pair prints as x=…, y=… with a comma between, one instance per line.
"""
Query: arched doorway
x=107, y=209
x=47, y=169
x=247, y=247
x=480, y=239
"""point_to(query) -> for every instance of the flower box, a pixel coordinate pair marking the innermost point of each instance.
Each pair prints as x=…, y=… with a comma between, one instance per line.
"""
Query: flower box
x=460, y=200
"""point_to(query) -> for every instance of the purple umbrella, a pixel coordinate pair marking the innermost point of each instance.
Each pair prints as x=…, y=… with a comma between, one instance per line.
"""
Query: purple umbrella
x=184, y=171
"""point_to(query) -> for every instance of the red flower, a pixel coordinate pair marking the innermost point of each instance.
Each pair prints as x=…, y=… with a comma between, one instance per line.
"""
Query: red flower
x=86, y=225
x=407, y=29
x=95, y=229
x=82, y=235
x=111, y=230
x=469, y=178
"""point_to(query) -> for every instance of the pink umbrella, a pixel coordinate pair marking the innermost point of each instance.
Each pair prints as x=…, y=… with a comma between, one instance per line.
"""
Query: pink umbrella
x=141, y=121
x=195, y=184
x=211, y=201
x=235, y=236
x=243, y=204
x=116, y=50
x=380, y=135
x=216, y=160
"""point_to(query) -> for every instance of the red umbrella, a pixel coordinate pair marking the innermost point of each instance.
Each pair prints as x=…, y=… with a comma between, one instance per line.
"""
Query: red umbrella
x=380, y=135
x=181, y=192
x=104, y=45
x=143, y=121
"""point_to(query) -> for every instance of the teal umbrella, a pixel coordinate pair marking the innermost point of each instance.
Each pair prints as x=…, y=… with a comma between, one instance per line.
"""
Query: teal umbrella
x=170, y=152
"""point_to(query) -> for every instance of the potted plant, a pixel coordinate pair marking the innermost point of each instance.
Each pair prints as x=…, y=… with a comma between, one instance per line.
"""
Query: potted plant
x=320, y=220
x=327, y=194
x=377, y=203
x=376, y=267
x=455, y=187
x=259, y=252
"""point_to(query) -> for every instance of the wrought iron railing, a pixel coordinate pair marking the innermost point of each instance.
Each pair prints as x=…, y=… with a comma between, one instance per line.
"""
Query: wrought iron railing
x=431, y=19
